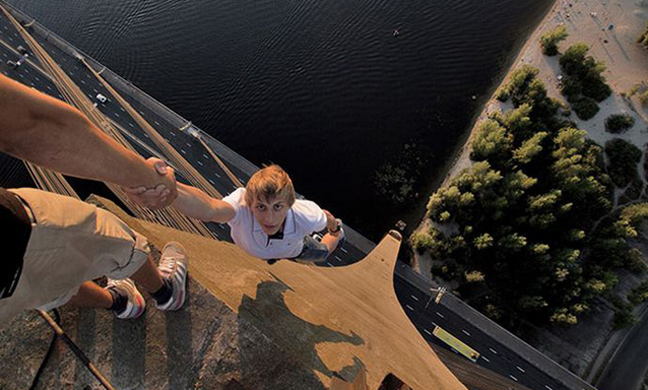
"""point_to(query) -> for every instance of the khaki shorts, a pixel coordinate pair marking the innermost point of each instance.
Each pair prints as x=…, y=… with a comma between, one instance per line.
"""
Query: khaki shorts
x=71, y=242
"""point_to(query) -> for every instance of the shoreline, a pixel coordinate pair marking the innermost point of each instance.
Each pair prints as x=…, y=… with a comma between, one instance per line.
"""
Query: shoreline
x=581, y=347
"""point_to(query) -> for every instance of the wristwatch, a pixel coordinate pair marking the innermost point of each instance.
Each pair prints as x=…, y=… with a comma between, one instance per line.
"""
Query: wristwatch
x=338, y=225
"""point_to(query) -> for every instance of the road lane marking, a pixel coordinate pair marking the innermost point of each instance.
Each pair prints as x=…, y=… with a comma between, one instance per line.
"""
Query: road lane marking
x=548, y=388
x=199, y=163
x=467, y=334
x=427, y=331
x=338, y=258
x=492, y=350
x=344, y=250
x=485, y=358
x=520, y=368
x=409, y=307
x=415, y=298
x=439, y=314
x=512, y=377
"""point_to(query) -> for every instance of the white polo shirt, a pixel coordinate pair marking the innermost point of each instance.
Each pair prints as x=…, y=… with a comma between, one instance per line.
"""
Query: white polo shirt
x=303, y=218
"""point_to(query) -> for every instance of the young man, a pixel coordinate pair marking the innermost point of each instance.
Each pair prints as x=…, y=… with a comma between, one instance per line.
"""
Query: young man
x=265, y=218
x=55, y=244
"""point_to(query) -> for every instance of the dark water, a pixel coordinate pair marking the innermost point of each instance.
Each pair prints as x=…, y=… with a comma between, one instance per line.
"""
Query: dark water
x=362, y=120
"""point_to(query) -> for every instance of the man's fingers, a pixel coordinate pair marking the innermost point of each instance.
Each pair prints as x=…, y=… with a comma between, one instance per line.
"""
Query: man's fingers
x=135, y=190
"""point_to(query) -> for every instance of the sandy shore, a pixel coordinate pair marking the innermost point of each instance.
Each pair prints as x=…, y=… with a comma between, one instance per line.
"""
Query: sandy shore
x=587, y=21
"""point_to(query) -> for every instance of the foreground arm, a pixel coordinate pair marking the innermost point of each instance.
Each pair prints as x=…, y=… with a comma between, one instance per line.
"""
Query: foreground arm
x=194, y=203
x=331, y=222
x=47, y=132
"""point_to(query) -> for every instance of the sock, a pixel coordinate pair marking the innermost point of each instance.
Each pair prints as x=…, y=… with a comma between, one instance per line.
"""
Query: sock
x=164, y=293
x=119, y=301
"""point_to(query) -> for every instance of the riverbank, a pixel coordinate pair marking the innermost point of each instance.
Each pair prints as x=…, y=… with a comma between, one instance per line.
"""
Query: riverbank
x=610, y=29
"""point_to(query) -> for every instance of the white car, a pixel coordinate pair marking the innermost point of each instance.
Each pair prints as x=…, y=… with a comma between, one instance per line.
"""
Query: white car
x=101, y=98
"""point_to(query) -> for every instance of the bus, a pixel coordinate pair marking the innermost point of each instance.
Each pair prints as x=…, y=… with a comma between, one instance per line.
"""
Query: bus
x=456, y=344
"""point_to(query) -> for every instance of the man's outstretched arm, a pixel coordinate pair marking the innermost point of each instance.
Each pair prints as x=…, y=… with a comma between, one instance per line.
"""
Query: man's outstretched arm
x=194, y=203
x=47, y=132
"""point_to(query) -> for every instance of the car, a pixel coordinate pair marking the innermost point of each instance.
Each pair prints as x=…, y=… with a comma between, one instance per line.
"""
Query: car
x=101, y=98
x=12, y=64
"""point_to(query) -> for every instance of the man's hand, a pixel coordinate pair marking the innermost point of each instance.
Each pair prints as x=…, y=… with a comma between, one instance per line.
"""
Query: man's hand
x=163, y=194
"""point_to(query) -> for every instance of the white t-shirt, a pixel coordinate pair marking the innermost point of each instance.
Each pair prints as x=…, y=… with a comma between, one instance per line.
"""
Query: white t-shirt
x=303, y=218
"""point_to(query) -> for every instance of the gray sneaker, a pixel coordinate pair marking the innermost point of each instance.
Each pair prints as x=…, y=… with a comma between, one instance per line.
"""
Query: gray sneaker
x=173, y=266
x=136, y=304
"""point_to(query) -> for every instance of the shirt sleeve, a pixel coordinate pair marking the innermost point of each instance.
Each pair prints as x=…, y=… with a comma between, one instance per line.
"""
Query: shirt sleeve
x=312, y=218
x=235, y=199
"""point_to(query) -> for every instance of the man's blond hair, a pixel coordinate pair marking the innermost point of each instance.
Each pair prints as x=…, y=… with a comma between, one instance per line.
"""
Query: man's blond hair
x=269, y=183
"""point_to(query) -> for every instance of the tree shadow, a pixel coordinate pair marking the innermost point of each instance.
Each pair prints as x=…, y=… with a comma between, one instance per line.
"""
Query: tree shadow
x=269, y=313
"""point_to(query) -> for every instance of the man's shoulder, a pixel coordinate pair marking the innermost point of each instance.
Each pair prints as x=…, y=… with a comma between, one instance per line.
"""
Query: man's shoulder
x=237, y=196
x=306, y=208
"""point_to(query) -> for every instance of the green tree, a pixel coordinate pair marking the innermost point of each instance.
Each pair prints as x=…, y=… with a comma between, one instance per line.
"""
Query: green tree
x=529, y=148
x=623, y=160
x=549, y=40
x=492, y=143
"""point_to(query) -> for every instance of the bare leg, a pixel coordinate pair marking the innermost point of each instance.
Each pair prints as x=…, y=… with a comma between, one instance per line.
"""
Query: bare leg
x=331, y=241
x=148, y=276
x=90, y=294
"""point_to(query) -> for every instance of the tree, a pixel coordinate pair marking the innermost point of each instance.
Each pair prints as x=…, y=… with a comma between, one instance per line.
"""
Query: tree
x=583, y=84
x=619, y=123
x=623, y=158
x=492, y=143
x=549, y=40
x=529, y=148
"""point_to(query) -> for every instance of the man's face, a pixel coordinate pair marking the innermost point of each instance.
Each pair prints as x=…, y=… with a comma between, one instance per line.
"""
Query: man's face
x=270, y=214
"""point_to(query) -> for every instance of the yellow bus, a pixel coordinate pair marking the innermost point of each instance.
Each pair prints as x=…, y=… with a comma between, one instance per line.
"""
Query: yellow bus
x=455, y=343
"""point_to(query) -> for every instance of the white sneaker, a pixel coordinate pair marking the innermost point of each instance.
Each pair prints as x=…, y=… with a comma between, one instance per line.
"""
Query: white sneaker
x=173, y=266
x=136, y=304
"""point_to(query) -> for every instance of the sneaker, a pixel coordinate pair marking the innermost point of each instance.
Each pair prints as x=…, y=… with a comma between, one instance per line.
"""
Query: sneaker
x=136, y=304
x=173, y=266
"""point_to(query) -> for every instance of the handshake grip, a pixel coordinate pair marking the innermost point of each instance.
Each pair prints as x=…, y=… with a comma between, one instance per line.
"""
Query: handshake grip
x=162, y=194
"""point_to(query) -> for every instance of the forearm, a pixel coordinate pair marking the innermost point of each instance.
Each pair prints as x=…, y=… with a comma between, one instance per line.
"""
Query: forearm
x=194, y=203
x=50, y=133
x=331, y=223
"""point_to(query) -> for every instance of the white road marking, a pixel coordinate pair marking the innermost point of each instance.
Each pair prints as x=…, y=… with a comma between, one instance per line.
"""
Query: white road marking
x=338, y=258
x=485, y=358
x=439, y=314
x=512, y=377
x=172, y=133
x=183, y=152
x=427, y=331
x=465, y=332
x=415, y=298
x=218, y=176
x=548, y=388
x=210, y=180
x=520, y=368
x=409, y=307
x=492, y=350
x=199, y=163
x=344, y=250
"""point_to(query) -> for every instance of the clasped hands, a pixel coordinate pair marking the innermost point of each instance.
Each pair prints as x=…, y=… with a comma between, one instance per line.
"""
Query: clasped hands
x=160, y=196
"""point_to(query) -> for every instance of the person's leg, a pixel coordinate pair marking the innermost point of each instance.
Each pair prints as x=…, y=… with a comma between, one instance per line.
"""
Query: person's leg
x=331, y=241
x=314, y=251
x=148, y=276
x=90, y=294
